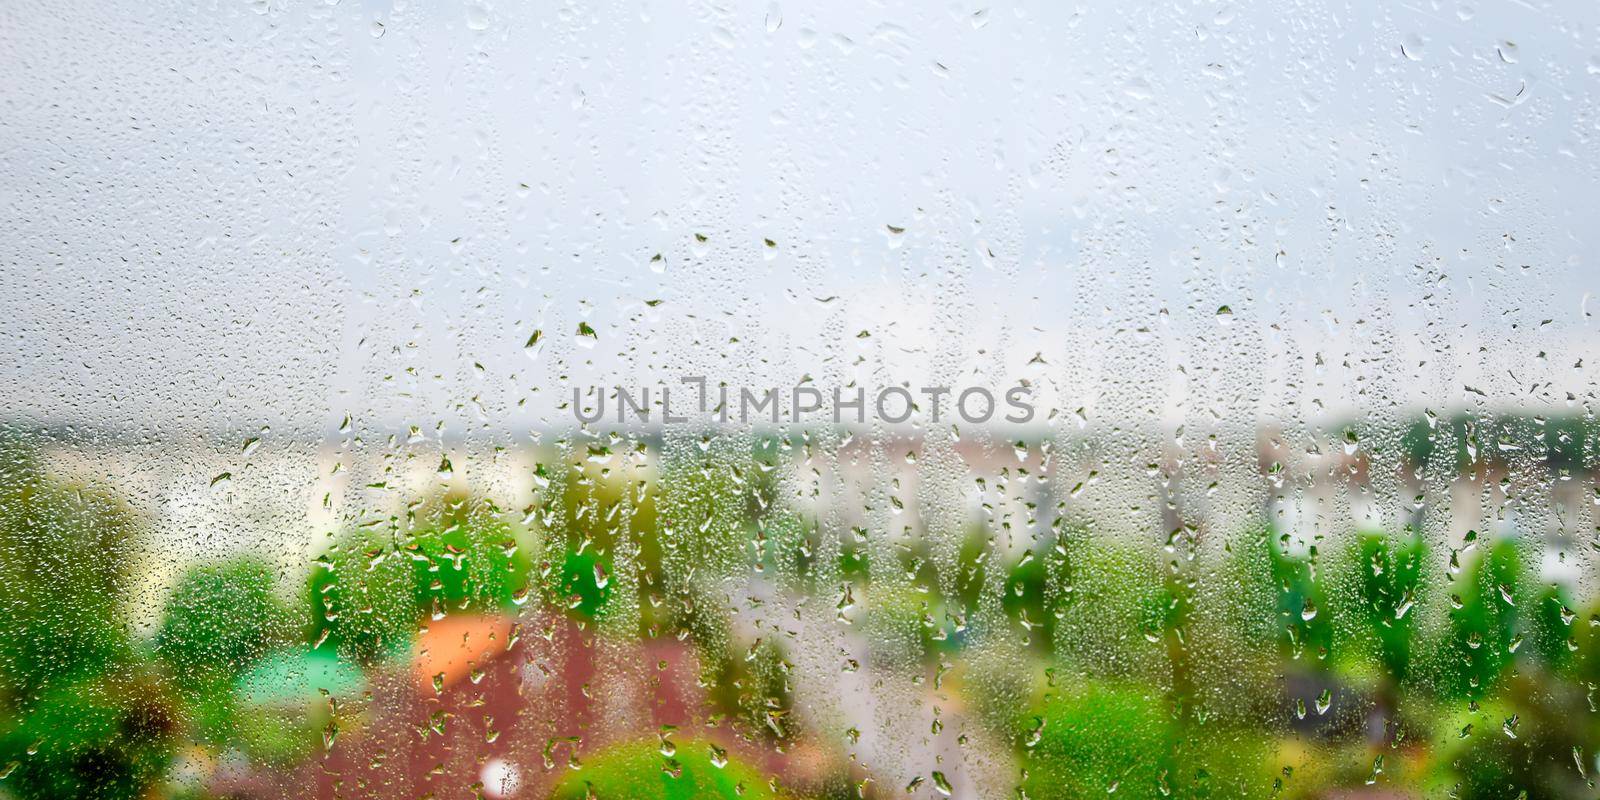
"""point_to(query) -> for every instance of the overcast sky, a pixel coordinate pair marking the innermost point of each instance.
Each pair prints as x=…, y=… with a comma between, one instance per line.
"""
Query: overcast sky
x=284, y=213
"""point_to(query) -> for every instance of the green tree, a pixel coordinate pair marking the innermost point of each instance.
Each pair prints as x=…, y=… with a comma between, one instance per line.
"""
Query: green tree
x=219, y=619
x=80, y=714
x=1379, y=589
x=1483, y=621
x=452, y=553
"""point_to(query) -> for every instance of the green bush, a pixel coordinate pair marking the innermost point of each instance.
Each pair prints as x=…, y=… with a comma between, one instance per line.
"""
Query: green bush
x=219, y=619
x=360, y=601
x=105, y=737
x=1095, y=739
x=80, y=714
x=639, y=771
x=369, y=592
x=464, y=556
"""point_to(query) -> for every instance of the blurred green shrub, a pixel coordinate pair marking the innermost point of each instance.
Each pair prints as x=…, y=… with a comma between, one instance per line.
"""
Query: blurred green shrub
x=640, y=771
x=368, y=593
x=1377, y=589
x=219, y=619
x=80, y=714
x=1095, y=739
x=1483, y=621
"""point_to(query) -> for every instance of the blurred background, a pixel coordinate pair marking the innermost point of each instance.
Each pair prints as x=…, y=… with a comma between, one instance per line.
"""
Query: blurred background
x=301, y=300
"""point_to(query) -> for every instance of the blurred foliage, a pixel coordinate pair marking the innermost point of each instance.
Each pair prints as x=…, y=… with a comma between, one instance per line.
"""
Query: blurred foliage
x=583, y=587
x=360, y=600
x=1289, y=665
x=64, y=562
x=1379, y=588
x=109, y=736
x=81, y=715
x=464, y=556
x=219, y=619
x=752, y=689
x=911, y=624
x=1483, y=633
x=1524, y=742
x=451, y=554
x=640, y=771
x=1095, y=739
x=1462, y=442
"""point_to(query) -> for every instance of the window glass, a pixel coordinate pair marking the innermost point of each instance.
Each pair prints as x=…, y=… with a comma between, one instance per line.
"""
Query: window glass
x=799, y=400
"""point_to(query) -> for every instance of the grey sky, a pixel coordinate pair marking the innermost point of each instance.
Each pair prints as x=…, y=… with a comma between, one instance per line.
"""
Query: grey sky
x=241, y=214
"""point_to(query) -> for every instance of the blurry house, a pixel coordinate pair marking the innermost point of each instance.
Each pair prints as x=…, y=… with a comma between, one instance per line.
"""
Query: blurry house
x=492, y=707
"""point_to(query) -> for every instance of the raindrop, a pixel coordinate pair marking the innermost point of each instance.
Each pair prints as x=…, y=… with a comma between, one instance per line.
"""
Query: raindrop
x=586, y=336
x=477, y=16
